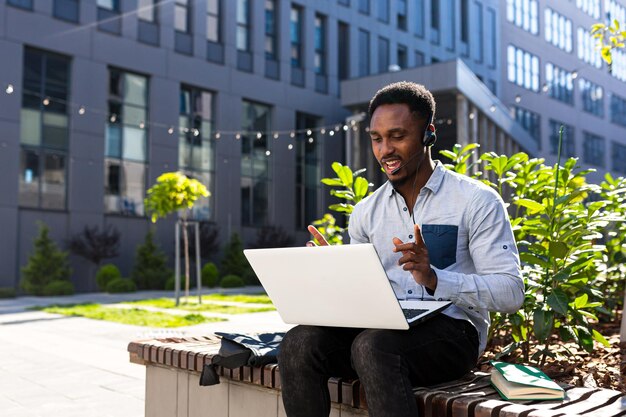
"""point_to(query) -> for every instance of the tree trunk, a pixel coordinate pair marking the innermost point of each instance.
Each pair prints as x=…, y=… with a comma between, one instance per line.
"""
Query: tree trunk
x=622, y=332
x=186, y=240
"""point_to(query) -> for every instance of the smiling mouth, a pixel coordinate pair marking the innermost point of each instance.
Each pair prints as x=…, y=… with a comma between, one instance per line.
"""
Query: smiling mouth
x=392, y=165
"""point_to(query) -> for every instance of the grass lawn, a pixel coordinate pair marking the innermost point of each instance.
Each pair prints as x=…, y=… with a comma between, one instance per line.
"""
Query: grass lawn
x=135, y=316
x=191, y=304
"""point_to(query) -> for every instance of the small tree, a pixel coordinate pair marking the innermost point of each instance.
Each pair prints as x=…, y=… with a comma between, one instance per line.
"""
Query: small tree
x=95, y=245
x=608, y=39
x=48, y=263
x=150, y=270
x=173, y=192
x=234, y=261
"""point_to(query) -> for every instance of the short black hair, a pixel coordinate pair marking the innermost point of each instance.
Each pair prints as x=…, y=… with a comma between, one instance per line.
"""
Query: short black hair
x=416, y=96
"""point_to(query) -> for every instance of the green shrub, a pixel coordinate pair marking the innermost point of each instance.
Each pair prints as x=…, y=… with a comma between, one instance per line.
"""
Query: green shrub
x=105, y=274
x=210, y=274
x=231, y=281
x=150, y=270
x=7, y=292
x=120, y=285
x=46, y=264
x=58, y=287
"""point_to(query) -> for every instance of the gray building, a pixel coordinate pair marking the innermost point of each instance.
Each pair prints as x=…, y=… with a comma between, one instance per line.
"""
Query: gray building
x=255, y=98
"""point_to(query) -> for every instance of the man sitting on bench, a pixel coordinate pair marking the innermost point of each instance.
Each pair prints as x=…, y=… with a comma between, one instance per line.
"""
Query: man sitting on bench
x=439, y=235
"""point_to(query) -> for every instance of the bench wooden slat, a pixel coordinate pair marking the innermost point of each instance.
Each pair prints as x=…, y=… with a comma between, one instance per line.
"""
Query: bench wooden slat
x=615, y=407
x=597, y=398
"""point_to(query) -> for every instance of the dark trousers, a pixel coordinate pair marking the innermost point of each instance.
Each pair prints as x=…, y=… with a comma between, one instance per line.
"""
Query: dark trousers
x=387, y=362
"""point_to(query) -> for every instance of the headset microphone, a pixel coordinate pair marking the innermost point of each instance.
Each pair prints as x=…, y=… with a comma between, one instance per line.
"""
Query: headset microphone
x=405, y=164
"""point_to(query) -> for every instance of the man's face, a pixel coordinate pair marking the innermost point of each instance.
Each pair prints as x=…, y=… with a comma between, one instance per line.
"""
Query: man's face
x=397, y=136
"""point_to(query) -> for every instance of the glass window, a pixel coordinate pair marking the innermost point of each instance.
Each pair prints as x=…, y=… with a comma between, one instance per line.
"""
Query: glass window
x=196, y=154
x=531, y=122
x=213, y=20
x=147, y=10
x=255, y=167
x=558, y=30
x=450, y=35
x=591, y=7
x=523, y=14
x=126, y=143
x=560, y=84
x=419, y=17
x=478, y=13
x=364, y=6
x=320, y=44
x=44, y=131
x=618, y=110
x=402, y=58
x=465, y=21
x=569, y=146
x=271, y=30
x=296, y=36
x=618, y=155
x=593, y=151
x=182, y=20
x=23, y=4
x=434, y=14
x=522, y=68
x=343, y=51
x=383, y=10
x=383, y=55
x=67, y=10
x=592, y=96
x=243, y=25
x=308, y=175
x=364, y=53
x=401, y=14
x=112, y=5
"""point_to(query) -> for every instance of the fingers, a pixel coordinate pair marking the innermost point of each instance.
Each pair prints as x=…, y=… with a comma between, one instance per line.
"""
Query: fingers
x=317, y=236
x=419, y=241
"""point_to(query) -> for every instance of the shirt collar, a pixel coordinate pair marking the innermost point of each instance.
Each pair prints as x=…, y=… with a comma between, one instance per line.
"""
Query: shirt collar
x=433, y=184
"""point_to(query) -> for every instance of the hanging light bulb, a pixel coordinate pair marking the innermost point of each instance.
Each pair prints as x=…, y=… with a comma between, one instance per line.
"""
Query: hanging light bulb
x=170, y=130
x=46, y=101
x=275, y=135
x=81, y=110
x=290, y=147
x=113, y=118
x=323, y=131
x=311, y=140
x=238, y=136
x=196, y=132
x=337, y=128
x=268, y=153
x=309, y=132
x=218, y=135
x=9, y=89
x=142, y=125
x=331, y=133
x=492, y=108
x=518, y=98
x=471, y=116
x=292, y=135
x=345, y=128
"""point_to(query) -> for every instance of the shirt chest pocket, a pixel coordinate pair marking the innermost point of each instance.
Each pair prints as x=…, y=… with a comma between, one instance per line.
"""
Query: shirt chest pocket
x=441, y=241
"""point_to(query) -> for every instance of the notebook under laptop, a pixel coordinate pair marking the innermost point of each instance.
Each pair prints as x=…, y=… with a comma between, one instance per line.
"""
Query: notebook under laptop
x=341, y=286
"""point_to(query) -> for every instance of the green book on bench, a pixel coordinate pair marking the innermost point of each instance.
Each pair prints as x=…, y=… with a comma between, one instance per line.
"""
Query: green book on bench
x=523, y=382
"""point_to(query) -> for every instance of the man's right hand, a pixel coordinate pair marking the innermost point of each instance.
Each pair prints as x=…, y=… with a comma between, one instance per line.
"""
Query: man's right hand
x=317, y=235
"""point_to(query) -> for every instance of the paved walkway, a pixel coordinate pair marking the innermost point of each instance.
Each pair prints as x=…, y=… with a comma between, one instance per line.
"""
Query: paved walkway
x=70, y=366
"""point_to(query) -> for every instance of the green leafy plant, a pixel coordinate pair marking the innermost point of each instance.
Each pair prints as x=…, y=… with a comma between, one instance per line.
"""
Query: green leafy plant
x=150, y=269
x=105, y=274
x=7, y=292
x=349, y=186
x=121, y=285
x=234, y=261
x=556, y=227
x=47, y=263
x=210, y=275
x=175, y=192
x=608, y=38
x=231, y=281
x=58, y=287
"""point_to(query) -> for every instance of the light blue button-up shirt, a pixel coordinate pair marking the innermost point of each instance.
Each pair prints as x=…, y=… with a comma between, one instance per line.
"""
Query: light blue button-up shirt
x=469, y=238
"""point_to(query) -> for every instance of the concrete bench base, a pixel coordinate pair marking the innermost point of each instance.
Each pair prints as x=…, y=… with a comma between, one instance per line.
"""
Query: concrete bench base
x=173, y=369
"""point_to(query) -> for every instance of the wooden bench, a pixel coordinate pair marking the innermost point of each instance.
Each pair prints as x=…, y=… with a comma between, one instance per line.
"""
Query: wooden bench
x=173, y=369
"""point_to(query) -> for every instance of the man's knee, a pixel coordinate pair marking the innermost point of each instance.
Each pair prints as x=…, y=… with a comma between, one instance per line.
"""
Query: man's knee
x=370, y=347
x=299, y=341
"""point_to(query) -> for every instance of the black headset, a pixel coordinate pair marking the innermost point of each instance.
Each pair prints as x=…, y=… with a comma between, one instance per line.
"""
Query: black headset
x=430, y=137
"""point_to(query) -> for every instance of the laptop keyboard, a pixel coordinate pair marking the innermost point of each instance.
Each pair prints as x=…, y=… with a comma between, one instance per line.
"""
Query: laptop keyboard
x=411, y=313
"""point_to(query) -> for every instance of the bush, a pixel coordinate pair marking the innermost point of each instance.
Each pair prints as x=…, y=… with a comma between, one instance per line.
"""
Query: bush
x=120, y=285
x=210, y=275
x=7, y=292
x=150, y=270
x=105, y=274
x=231, y=281
x=235, y=262
x=169, y=283
x=47, y=263
x=58, y=287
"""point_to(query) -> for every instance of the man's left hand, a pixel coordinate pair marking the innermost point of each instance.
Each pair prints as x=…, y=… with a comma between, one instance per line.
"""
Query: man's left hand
x=415, y=259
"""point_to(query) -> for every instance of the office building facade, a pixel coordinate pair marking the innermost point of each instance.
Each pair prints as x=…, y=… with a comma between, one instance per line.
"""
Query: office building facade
x=254, y=98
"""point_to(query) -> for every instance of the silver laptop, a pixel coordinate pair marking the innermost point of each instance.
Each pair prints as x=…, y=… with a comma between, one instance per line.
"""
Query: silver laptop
x=341, y=286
